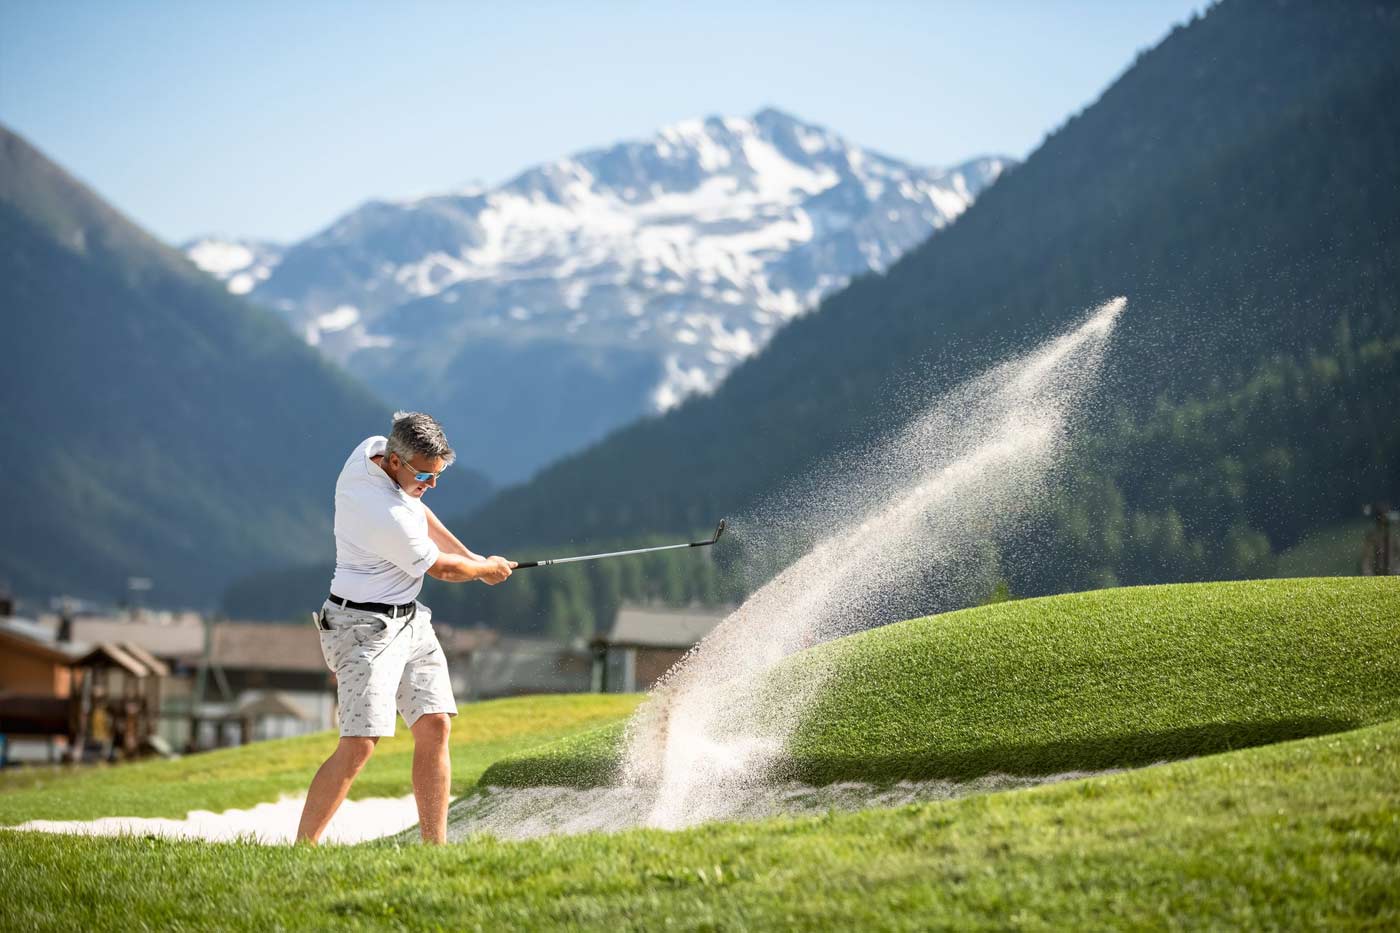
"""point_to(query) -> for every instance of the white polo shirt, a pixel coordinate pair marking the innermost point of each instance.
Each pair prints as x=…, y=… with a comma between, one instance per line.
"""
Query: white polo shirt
x=382, y=548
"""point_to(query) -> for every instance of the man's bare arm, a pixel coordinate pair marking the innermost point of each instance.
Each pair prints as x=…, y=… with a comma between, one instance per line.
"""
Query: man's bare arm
x=445, y=540
x=457, y=568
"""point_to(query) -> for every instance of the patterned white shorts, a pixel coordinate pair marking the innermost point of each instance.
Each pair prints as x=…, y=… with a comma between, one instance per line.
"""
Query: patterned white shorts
x=383, y=666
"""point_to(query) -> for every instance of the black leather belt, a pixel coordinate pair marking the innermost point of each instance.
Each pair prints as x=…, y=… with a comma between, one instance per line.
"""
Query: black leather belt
x=406, y=610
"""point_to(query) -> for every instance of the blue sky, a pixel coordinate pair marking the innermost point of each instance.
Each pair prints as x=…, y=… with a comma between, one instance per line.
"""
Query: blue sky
x=270, y=119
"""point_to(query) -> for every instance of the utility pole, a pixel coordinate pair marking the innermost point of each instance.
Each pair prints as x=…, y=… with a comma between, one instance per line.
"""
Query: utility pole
x=201, y=685
x=134, y=587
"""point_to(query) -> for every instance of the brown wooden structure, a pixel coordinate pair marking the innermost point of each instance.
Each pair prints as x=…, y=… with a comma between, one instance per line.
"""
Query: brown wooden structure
x=102, y=699
x=645, y=642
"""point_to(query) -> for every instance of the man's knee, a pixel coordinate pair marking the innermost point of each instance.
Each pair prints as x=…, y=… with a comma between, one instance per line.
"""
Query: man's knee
x=354, y=750
x=432, y=727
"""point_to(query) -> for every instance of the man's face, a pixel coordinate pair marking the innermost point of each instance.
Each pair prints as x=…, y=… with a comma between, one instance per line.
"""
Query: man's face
x=404, y=471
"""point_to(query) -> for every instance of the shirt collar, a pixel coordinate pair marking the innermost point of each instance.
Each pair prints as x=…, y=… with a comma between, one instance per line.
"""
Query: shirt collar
x=373, y=447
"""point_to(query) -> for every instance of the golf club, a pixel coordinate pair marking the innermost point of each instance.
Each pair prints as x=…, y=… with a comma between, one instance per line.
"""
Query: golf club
x=719, y=530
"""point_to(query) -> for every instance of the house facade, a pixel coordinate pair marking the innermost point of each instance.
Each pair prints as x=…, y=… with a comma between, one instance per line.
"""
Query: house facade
x=647, y=641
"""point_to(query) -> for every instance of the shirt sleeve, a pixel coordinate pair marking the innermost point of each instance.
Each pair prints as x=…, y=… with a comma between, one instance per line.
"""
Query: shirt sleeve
x=402, y=539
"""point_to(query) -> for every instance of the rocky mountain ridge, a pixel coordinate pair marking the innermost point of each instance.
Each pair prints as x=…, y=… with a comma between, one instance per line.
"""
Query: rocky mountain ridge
x=648, y=269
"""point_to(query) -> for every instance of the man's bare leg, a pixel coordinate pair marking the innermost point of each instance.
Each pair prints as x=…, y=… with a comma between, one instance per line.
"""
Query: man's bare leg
x=331, y=784
x=432, y=775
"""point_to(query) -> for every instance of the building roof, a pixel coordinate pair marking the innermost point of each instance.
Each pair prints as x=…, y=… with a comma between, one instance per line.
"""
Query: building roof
x=148, y=660
x=267, y=646
x=272, y=703
x=162, y=635
x=659, y=627
x=457, y=641
x=33, y=639
x=37, y=639
x=115, y=655
x=513, y=644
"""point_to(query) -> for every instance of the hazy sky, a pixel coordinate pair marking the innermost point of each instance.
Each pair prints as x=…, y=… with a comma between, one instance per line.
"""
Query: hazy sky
x=270, y=119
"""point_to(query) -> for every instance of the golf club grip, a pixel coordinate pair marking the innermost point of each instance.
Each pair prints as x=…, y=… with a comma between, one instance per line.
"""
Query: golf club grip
x=524, y=564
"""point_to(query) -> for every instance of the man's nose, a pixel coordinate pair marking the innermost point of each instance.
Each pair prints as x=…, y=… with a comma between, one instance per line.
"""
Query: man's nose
x=432, y=482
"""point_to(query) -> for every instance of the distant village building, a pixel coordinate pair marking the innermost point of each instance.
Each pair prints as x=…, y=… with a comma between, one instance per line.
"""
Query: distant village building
x=260, y=680
x=645, y=642
x=122, y=684
x=267, y=680
x=487, y=665
x=62, y=697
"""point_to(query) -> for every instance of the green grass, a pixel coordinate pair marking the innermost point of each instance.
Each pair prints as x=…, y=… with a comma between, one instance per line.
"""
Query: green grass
x=1084, y=681
x=1296, y=834
x=261, y=772
x=1304, y=834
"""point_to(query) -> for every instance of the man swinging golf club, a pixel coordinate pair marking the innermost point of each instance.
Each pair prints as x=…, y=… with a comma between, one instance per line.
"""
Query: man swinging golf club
x=375, y=636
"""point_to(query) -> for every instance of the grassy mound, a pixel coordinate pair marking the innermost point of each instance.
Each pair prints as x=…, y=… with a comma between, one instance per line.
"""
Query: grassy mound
x=252, y=774
x=587, y=759
x=1083, y=681
x=1295, y=835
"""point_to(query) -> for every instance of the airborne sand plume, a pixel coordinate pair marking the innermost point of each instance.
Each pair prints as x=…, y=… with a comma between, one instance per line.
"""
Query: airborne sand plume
x=925, y=504
x=882, y=528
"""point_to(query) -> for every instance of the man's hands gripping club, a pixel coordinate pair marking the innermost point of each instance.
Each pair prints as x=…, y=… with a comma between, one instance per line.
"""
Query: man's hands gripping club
x=497, y=570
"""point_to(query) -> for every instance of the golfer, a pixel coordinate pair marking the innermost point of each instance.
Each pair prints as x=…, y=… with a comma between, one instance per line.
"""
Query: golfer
x=375, y=636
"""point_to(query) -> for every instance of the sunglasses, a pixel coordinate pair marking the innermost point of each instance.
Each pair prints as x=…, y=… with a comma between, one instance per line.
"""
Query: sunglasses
x=423, y=477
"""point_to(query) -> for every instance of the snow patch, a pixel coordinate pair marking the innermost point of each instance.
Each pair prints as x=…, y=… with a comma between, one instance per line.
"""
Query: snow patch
x=219, y=258
x=340, y=318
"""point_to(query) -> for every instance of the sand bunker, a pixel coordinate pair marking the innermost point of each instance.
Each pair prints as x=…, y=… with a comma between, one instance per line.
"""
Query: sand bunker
x=529, y=812
x=266, y=823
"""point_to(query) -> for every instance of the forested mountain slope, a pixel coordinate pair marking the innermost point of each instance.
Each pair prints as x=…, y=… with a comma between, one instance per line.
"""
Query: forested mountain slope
x=156, y=426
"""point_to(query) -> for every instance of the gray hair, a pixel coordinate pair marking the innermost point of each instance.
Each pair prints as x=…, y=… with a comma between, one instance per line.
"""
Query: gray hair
x=416, y=434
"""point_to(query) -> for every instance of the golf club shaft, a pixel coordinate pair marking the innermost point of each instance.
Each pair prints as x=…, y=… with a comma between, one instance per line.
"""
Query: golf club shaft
x=642, y=550
x=524, y=565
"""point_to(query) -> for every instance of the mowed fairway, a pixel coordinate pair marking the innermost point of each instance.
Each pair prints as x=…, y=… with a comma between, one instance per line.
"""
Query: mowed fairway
x=1298, y=833
x=263, y=771
x=1288, y=836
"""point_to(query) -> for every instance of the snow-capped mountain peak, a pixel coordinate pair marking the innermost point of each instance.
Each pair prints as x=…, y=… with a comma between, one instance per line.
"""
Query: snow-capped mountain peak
x=690, y=248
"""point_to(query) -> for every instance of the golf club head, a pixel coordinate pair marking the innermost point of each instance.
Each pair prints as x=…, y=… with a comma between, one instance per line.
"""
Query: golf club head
x=719, y=530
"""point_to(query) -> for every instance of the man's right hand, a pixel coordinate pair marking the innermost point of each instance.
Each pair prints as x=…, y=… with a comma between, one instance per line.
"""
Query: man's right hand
x=497, y=570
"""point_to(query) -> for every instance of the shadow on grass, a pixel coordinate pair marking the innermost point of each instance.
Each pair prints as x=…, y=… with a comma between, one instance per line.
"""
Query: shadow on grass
x=1094, y=753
